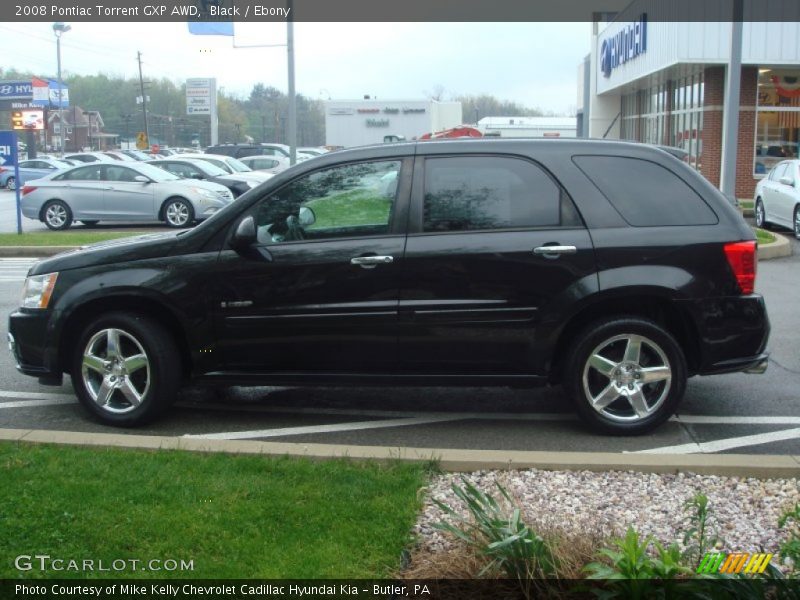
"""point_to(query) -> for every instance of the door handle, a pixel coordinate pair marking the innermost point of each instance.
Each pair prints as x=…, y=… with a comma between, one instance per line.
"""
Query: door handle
x=109, y=188
x=554, y=251
x=370, y=262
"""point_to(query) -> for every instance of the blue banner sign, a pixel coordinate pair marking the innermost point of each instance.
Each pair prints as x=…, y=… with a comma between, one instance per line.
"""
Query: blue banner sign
x=9, y=160
x=625, y=45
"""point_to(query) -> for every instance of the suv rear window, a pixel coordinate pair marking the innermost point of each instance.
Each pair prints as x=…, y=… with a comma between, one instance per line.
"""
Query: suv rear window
x=471, y=193
x=644, y=193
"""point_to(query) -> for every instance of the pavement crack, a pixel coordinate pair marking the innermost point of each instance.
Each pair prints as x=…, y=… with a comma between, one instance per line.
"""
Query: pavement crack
x=787, y=369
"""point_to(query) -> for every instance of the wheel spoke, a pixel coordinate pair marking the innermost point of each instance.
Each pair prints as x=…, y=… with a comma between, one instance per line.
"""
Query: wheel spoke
x=654, y=374
x=606, y=397
x=112, y=343
x=104, y=393
x=130, y=392
x=633, y=350
x=638, y=403
x=135, y=362
x=95, y=363
x=601, y=364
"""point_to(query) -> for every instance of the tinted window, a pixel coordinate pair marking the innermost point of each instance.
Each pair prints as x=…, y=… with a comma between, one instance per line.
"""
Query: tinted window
x=480, y=192
x=644, y=193
x=89, y=173
x=345, y=201
x=114, y=173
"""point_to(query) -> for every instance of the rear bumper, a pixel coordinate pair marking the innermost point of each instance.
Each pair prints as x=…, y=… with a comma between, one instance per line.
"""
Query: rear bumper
x=731, y=333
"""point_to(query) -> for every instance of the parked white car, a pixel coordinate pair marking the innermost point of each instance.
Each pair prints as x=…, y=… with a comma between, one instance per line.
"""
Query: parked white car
x=130, y=191
x=777, y=197
x=231, y=165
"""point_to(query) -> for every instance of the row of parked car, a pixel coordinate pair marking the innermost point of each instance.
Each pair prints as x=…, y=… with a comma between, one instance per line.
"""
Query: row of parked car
x=129, y=185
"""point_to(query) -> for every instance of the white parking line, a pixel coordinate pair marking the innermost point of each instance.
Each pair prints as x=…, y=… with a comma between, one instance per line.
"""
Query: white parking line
x=712, y=420
x=36, y=395
x=287, y=431
x=28, y=403
x=726, y=444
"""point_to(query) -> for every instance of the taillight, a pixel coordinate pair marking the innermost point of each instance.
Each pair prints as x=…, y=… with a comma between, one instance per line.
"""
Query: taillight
x=3, y=169
x=27, y=189
x=742, y=259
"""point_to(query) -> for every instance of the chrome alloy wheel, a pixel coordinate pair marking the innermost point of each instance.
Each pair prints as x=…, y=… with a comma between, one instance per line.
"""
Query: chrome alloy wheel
x=760, y=214
x=627, y=378
x=797, y=223
x=56, y=215
x=177, y=214
x=115, y=371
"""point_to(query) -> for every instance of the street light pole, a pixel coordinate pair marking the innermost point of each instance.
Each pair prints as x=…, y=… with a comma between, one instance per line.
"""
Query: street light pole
x=60, y=29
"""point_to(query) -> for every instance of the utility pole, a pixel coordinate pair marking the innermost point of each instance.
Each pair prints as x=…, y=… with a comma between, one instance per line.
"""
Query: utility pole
x=292, y=132
x=144, y=98
x=730, y=118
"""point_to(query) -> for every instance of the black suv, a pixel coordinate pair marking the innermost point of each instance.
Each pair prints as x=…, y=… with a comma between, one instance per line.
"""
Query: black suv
x=608, y=267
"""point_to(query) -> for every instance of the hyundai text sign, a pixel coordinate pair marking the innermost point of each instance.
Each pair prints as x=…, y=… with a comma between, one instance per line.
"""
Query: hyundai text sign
x=16, y=90
x=625, y=45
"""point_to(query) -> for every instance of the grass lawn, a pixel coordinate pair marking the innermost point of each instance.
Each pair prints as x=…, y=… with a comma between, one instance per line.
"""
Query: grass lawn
x=61, y=238
x=764, y=237
x=234, y=516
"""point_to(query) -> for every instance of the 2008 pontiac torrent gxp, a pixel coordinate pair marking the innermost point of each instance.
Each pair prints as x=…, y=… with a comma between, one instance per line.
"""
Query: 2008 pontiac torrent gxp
x=610, y=268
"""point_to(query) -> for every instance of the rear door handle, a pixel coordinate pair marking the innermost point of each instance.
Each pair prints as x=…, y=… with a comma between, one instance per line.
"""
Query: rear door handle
x=554, y=251
x=370, y=262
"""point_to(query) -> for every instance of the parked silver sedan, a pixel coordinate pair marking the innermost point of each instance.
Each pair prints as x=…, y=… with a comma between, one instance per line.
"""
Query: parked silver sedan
x=130, y=191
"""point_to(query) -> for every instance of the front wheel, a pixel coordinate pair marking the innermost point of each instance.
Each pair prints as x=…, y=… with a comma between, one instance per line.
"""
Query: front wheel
x=57, y=215
x=761, y=215
x=126, y=369
x=178, y=213
x=626, y=375
x=11, y=183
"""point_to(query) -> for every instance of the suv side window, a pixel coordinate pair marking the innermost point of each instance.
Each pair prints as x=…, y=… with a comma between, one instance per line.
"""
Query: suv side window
x=345, y=201
x=644, y=193
x=469, y=193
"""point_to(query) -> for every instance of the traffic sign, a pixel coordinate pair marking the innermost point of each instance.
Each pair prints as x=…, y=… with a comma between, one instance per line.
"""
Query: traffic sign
x=141, y=140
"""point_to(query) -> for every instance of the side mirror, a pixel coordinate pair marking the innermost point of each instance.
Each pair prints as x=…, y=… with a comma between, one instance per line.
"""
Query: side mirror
x=197, y=176
x=306, y=217
x=786, y=180
x=245, y=234
x=142, y=179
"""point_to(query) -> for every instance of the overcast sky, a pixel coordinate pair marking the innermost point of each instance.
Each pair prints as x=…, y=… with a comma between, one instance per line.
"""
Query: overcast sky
x=531, y=63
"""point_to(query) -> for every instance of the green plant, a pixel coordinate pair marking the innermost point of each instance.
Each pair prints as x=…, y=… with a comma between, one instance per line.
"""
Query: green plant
x=632, y=572
x=510, y=545
x=701, y=537
x=791, y=547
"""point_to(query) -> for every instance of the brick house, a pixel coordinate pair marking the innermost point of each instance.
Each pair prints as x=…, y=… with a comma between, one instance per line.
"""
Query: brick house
x=84, y=130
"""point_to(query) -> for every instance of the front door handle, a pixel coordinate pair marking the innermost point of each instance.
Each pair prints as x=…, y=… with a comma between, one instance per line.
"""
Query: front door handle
x=554, y=251
x=370, y=262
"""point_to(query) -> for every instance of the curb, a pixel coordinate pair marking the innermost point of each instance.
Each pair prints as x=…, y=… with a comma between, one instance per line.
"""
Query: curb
x=737, y=465
x=778, y=249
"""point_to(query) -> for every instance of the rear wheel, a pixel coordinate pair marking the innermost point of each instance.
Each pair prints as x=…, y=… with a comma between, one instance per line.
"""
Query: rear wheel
x=625, y=375
x=11, y=183
x=57, y=215
x=761, y=215
x=126, y=369
x=797, y=222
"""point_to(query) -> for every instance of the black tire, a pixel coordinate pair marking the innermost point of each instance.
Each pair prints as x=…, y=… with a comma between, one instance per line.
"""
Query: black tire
x=178, y=213
x=90, y=223
x=761, y=215
x=57, y=215
x=797, y=222
x=609, y=340
x=11, y=183
x=155, y=383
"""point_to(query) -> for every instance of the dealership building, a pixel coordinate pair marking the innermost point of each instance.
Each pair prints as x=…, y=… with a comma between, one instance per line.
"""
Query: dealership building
x=351, y=123
x=651, y=80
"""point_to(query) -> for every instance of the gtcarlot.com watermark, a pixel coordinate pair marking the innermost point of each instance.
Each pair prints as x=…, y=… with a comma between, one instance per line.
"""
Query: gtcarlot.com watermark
x=45, y=562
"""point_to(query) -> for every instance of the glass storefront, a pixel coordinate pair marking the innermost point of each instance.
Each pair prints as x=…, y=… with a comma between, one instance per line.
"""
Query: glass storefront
x=777, y=118
x=670, y=114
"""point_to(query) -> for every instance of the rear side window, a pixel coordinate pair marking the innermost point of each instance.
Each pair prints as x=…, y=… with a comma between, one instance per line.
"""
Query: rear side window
x=470, y=193
x=644, y=193
x=90, y=173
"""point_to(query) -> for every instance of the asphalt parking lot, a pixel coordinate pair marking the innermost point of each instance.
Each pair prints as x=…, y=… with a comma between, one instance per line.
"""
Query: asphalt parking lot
x=753, y=414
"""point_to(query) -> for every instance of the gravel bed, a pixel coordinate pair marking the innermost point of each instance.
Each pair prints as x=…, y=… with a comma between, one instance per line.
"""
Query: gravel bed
x=745, y=510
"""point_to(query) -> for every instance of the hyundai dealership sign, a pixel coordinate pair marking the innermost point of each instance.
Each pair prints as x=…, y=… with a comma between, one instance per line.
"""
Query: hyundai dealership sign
x=625, y=45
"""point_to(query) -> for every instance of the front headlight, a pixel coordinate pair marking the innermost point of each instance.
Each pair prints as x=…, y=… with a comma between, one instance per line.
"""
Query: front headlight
x=37, y=290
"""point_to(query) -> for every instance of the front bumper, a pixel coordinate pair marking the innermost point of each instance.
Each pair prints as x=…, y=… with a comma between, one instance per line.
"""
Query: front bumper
x=28, y=337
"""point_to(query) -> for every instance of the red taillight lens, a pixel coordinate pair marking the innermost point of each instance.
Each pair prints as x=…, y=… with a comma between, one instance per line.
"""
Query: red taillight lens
x=742, y=259
x=27, y=189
